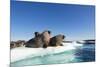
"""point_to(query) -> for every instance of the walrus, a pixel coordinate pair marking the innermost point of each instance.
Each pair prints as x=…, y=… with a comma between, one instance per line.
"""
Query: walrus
x=19, y=43
x=56, y=40
x=46, y=35
x=35, y=42
x=12, y=45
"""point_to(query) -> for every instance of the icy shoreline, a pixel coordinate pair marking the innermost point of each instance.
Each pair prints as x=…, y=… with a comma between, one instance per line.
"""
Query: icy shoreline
x=24, y=52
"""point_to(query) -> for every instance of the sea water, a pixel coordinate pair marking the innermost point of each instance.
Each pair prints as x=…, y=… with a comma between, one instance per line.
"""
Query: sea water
x=81, y=53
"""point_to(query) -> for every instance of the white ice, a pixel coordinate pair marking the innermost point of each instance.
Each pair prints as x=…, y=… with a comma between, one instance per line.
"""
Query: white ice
x=24, y=52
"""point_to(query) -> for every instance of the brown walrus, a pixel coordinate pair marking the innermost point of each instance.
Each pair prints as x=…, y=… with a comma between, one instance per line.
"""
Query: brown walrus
x=35, y=42
x=56, y=40
x=46, y=35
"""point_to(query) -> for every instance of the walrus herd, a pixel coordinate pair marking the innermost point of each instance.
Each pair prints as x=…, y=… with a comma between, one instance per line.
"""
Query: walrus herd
x=44, y=40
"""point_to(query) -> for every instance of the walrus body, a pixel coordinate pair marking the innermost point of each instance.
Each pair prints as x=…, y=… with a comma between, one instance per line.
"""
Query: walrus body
x=46, y=35
x=56, y=40
x=35, y=42
x=18, y=43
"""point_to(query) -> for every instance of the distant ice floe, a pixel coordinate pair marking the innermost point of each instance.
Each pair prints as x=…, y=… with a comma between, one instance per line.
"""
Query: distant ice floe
x=76, y=44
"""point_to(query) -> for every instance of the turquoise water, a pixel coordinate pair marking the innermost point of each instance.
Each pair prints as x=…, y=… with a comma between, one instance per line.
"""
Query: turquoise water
x=81, y=54
x=47, y=59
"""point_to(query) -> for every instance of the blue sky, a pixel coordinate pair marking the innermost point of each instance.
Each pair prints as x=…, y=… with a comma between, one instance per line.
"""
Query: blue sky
x=76, y=22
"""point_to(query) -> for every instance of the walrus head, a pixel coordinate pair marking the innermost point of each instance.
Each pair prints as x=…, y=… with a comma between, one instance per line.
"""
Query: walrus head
x=49, y=32
x=37, y=34
x=63, y=37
